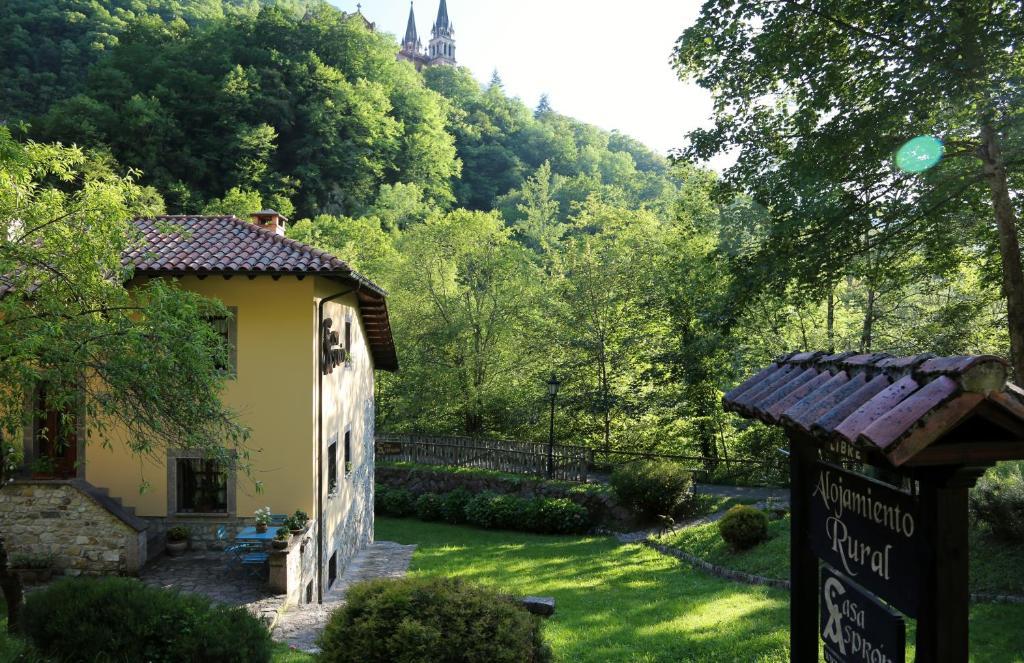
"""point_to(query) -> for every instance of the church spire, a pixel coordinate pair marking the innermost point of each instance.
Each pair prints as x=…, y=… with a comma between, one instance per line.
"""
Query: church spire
x=443, y=26
x=412, y=40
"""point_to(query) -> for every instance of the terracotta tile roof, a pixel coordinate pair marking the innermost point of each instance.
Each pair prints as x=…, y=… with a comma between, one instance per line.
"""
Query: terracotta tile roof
x=226, y=245
x=889, y=406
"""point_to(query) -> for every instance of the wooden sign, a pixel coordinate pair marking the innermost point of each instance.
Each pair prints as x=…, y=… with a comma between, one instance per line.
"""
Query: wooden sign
x=869, y=531
x=389, y=448
x=856, y=627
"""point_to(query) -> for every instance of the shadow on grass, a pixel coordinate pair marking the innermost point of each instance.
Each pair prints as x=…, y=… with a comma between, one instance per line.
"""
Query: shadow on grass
x=629, y=603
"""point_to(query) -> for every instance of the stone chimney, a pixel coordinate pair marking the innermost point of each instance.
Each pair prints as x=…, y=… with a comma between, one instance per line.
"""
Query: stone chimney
x=270, y=220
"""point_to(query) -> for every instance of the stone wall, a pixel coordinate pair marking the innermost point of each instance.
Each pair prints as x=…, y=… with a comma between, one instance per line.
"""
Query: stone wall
x=78, y=528
x=205, y=532
x=599, y=501
x=293, y=569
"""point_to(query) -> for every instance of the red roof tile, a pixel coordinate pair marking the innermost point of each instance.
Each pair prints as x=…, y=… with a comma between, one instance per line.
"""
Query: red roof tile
x=895, y=406
x=226, y=245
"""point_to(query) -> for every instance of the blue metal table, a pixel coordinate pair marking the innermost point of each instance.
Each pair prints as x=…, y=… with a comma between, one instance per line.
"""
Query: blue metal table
x=250, y=534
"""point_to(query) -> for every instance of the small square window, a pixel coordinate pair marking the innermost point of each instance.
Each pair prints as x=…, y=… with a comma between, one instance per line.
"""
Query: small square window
x=332, y=570
x=309, y=592
x=202, y=486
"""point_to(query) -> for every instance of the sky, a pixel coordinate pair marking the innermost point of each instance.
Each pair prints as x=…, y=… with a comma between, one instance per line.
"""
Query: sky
x=603, y=62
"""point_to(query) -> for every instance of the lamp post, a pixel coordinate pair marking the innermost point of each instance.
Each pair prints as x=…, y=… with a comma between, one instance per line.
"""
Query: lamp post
x=552, y=393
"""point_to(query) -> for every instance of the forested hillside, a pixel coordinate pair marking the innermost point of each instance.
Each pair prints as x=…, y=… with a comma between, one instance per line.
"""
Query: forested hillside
x=515, y=241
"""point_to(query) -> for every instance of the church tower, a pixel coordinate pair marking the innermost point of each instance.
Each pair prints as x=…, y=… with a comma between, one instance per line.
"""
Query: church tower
x=442, y=44
x=412, y=47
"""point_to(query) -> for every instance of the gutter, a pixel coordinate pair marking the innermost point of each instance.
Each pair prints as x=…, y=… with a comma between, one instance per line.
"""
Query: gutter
x=320, y=440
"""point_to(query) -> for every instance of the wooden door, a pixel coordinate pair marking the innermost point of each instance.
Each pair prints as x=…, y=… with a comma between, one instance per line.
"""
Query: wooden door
x=57, y=440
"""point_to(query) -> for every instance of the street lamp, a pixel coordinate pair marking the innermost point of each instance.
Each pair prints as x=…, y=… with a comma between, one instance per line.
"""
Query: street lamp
x=553, y=385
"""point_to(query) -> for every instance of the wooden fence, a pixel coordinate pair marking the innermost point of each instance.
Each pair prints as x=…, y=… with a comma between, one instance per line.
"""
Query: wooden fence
x=568, y=463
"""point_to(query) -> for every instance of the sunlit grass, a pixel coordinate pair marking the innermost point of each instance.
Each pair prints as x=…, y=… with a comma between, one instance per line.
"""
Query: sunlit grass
x=630, y=603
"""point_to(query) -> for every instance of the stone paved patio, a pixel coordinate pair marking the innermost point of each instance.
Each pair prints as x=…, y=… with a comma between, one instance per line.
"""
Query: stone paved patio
x=209, y=574
x=300, y=626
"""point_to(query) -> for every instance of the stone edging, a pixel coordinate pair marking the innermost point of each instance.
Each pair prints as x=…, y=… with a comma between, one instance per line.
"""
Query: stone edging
x=715, y=570
x=751, y=579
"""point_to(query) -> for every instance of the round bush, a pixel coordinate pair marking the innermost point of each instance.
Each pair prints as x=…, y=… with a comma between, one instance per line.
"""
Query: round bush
x=121, y=619
x=397, y=502
x=453, y=506
x=654, y=488
x=419, y=620
x=743, y=527
x=997, y=501
x=428, y=506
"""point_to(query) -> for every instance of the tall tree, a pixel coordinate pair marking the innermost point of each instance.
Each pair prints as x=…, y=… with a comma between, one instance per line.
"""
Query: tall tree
x=818, y=96
x=142, y=361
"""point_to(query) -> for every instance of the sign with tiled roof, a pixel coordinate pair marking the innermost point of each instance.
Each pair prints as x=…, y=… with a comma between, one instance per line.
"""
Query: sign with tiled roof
x=882, y=452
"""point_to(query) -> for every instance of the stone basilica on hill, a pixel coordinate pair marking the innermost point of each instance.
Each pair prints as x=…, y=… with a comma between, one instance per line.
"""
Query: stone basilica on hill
x=440, y=50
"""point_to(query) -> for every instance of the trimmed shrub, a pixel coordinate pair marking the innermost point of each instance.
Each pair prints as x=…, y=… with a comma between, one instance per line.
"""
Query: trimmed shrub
x=413, y=620
x=396, y=502
x=743, y=527
x=654, y=488
x=121, y=619
x=997, y=501
x=539, y=514
x=453, y=506
x=494, y=511
x=428, y=506
x=556, y=516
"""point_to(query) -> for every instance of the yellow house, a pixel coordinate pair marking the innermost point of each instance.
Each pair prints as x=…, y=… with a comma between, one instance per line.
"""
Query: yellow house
x=306, y=334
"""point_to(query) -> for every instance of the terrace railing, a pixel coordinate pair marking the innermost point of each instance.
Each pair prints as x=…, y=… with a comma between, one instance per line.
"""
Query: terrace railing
x=570, y=463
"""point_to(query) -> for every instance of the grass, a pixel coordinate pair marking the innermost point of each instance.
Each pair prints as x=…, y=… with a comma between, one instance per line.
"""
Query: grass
x=629, y=603
x=615, y=603
x=996, y=567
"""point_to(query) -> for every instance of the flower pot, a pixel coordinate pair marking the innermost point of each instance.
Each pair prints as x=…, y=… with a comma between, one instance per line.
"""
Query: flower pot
x=175, y=548
x=261, y=528
x=298, y=532
x=279, y=544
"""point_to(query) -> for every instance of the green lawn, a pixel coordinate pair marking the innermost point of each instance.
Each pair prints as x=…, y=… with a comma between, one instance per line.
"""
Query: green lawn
x=629, y=603
x=996, y=568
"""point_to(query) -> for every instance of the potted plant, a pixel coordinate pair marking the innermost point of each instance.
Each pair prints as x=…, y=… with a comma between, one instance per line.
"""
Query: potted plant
x=43, y=467
x=280, y=541
x=297, y=522
x=32, y=569
x=263, y=518
x=177, y=540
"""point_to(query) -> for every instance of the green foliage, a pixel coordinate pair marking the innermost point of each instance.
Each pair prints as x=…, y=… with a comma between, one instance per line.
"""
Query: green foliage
x=539, y=514
x=743, y=527
x=453, y=506
x=178, y=533
x=396, y=502
x=116, y=619
x=997, y=501
x=412, y=620
x=429, y=507
x=150, y=354
x=654, y=487
x=265, y=104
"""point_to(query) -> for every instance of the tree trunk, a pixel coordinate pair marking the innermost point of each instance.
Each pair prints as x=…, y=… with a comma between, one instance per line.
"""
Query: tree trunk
x=10, y=585
x=831, y=322
x=869, y=320
x=1009, y=244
